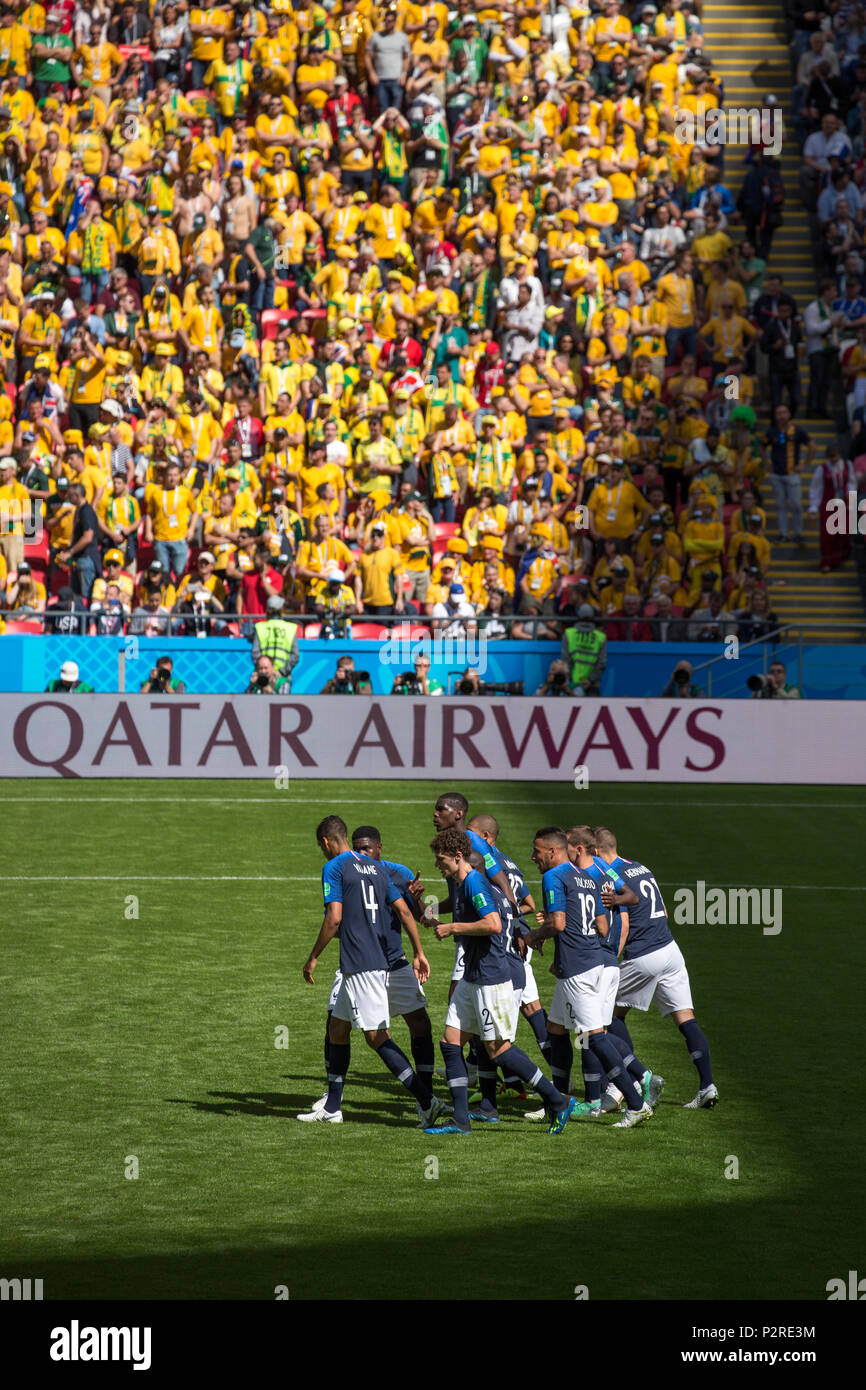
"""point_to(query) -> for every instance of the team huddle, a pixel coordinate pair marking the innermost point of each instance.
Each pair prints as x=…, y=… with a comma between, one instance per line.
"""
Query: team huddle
x=597, y=907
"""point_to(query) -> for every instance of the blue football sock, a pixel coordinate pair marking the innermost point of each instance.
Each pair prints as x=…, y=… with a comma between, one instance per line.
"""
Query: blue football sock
x=328, y=1045
x=474, y=1053
x=633, y=1066
x=561, y=1058
x=607, y=1054
x=592, y=1075
x=423, y=1055
x=618, y=1028
x=517, y=1062
x=458, y=1082
x=487, y=1084
x=338, y=1065
x=699, y=1051
x=538, y=1024
x=398, y=1063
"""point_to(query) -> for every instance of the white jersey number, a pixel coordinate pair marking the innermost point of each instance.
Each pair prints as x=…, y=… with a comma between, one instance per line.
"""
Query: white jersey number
x=647, y=890
x=369, y=902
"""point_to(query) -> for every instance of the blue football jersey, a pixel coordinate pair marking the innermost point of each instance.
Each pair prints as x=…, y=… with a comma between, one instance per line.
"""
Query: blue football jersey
x=401, y=876
x=602, y=873
x=648, y=928
x=578, y=948
x=510, y=929
x=490, y=866
x=366, y=892
x=512, y=873
x=484, y=956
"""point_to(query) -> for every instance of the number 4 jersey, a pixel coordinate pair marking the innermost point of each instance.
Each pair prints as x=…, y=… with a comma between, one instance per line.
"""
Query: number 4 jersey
x=648, y=928
x=366, y=892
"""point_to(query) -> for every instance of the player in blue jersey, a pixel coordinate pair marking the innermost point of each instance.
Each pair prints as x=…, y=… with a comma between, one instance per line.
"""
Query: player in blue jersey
x=359, y=898
x=487, y=827
x=653, y=966
x=483, y=1107
x=575, y=918
x=483, y=1001
x=450, y=812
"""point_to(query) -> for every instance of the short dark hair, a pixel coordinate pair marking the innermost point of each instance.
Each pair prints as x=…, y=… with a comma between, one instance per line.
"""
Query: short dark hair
x=367, y=832
x=332, y=828
x=456, y=801
x=552, y=835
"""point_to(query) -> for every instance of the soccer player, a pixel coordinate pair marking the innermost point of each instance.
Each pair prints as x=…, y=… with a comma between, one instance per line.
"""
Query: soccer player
x=653, y=966
x=483, y=1001
x=575, y=918
x=530, y=1005
x=485, y=1108
x=358, y=898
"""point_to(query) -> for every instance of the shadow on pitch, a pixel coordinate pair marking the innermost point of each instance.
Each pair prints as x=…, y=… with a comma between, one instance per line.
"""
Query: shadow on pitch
x=283, y=1106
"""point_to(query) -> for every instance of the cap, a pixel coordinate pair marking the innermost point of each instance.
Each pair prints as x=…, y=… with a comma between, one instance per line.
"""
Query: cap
x=238, y=337
x=23, y=565
x=490, y=542
x=456, y=591
x=233, y=473
x=43, y=362
x=156, y=567
x=586, y=613
x=69, y=669
x=112, y=407
x=489, y=420
x=274, y=604
x=207, y=555
x=335, y=576
x=457, y=546
x=113, y=557
x=401, y=394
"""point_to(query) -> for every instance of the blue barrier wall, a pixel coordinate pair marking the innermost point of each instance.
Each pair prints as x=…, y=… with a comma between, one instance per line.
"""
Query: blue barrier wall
x=29, y=662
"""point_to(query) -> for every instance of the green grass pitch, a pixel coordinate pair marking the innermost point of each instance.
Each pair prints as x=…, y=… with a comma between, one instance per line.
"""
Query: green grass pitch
x=154, y=1038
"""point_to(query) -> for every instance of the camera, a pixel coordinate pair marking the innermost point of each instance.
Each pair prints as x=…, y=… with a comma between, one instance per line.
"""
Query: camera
x=466, y=687
x=262, y=679
x=762, y=685
x=163, y=675
x=681, y=677
x=408, y=684
x=558, y=679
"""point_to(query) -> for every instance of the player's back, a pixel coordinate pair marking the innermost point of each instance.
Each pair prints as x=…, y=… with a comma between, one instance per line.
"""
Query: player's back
x=510, y=928
x=648, y=928
x=392, y=937
x=484, y=957
x=512, y=873
x=365, y=891
x=577, y=949
x=601, y=872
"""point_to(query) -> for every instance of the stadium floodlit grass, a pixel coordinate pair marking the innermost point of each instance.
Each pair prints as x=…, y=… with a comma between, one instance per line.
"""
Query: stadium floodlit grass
x=154, y=1038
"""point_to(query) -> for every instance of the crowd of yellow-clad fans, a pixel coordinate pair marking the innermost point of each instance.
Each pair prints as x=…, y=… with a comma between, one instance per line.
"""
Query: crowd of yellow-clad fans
x=366, y=309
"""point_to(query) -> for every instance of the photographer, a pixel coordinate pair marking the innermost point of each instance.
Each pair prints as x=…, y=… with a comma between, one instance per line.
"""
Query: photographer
x=774, y=685
x=417, y=681
x=69, y=684
x=265, y=680
x=470, y=683
x=335, y=605
x=161, y=682
x=680, y=686
x=557, y=680
x=347, y=681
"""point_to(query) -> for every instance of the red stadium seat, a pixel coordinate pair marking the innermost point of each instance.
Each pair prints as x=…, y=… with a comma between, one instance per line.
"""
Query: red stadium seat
x=126, y=50
x=22, y=625
x=11, y=390
x=270, y=322
x=445, y=528
x=310, y=630
x=409, y=632
x=369, y=632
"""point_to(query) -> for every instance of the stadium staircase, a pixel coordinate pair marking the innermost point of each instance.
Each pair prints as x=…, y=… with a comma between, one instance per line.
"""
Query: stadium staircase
x=748, y=47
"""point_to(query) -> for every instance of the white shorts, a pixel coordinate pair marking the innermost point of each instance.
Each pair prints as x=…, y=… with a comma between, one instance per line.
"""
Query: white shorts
x=530, y=991
x=659, y=975
x=335, y=990
x=491, y=1011
x=362, y=1000
x=459, y=966
x=610, y=988
x=578, y=1003
x=405, y=995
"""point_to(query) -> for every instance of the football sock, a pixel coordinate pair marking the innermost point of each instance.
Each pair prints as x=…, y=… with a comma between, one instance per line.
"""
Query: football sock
x=618, y=1028
x=327, y=1045
x=473, y=1053
x=538, y=1024
x=561, y=1058
x=423, y=1055
x=517, y=1061
x=592, y=1075
x=458, y=1082
x=699, y=1051
x=398, y=1063
x=338, y=1065
x=630, y=1062
x=607, y=1054
x=487, y=1084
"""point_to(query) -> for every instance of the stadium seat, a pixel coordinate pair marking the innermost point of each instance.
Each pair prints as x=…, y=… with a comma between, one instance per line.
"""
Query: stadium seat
x=22, y=625
x=270, y=322
x=368, y=632
x=410, y=632
x=310, y=630
x=126, y=50
x=11, y=391
x=445, y=529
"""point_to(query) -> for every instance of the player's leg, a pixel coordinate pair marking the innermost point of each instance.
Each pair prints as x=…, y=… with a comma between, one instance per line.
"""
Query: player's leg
x=320, y=1103
x=453, y=1040
x=499, y=1026
x=587, y=997
x=421, y=1043
x=406, y=999
x=651, y=1085
x=339, y=1031
x=484, y=1108
x=533, y=1012
x=398, y=1064
x=673, y=996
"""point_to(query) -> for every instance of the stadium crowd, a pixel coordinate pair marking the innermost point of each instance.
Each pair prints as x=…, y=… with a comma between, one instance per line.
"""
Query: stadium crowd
x=403, y=310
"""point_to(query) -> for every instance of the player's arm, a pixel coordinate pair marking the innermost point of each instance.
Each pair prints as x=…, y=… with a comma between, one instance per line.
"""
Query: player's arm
x=420, y=963
x=624, y=897
x=500, y=878
x=526, y=904
x=601, y=925
x=330, y=927
x=623, y=934
x=488, y=925
x=554, y=922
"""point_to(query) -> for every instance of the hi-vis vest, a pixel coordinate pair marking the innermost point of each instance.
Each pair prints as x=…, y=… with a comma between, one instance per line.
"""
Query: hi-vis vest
x=583, y=649
x=276, y=638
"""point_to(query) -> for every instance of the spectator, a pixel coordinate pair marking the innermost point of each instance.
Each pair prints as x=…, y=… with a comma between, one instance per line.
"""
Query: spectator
x=277, y=639
x=386, y=58
x=68, y=616
x=454, y=616
x=833, y=481
x=379, y=578
x=68, y=682
x=82, y=554
x=782, y=449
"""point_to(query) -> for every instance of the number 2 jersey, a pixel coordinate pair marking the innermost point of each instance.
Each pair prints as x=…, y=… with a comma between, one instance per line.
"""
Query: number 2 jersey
x=648, y=928
x=366, y=892
x=577, y=949
x=484, y=957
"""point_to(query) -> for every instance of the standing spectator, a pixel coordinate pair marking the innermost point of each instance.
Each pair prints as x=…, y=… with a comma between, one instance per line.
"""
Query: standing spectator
x=82, y=554
x=170, y=516
x=386, y=58
x=782, y=450
x=781, y=342
x=378, y=582
x=833, y=481
x=822, y=341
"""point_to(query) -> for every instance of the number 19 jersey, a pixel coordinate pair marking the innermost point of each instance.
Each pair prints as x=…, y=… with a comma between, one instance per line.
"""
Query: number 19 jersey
x=366, y=892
